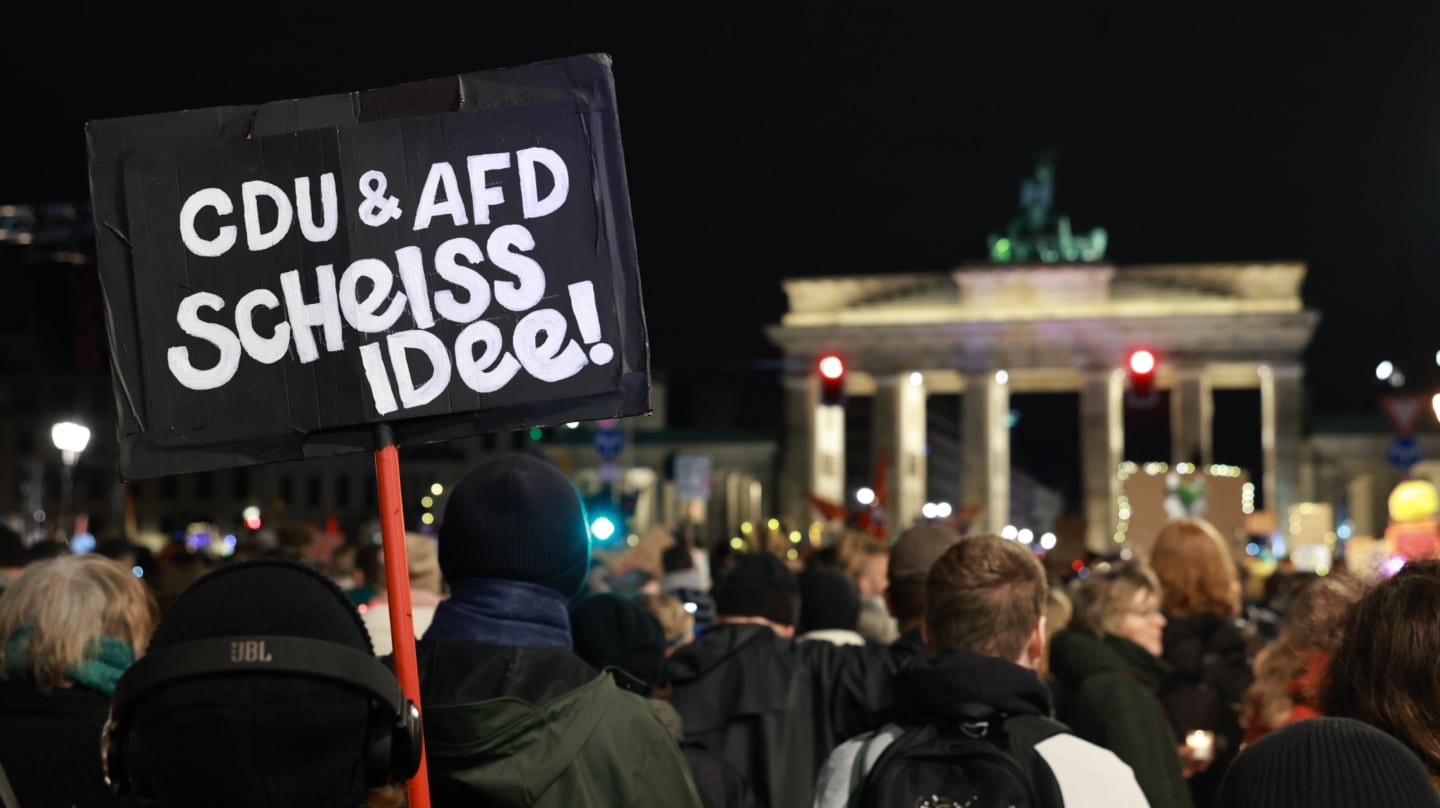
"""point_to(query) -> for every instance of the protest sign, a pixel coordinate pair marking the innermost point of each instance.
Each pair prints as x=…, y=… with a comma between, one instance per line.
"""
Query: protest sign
x=449, y=257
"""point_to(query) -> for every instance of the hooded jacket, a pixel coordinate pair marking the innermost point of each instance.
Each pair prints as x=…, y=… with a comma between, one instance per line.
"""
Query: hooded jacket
x=775, y=707
x=1106, y=691
x=538, y=727
x=931, y=690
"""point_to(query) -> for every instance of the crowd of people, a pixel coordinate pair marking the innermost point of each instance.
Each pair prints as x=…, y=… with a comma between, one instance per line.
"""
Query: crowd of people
x=934, y=669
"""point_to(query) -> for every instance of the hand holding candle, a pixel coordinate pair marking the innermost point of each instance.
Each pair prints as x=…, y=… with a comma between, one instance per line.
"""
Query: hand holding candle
x=1201, y=743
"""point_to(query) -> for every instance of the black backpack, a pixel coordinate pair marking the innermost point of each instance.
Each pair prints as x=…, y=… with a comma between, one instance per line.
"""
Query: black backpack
x=987, y=760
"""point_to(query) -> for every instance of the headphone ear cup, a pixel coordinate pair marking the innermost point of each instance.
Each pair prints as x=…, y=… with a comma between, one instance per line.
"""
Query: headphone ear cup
x=133, y=768
x=409, y=741
x=112, y=758
x=379, y=745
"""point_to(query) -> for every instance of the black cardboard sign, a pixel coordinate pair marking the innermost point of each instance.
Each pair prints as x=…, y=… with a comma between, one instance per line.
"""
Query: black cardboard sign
x=452, y=256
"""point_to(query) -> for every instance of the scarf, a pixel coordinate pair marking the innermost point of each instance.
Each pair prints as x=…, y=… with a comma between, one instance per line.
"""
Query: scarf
x=506, y=613
x=99, y=672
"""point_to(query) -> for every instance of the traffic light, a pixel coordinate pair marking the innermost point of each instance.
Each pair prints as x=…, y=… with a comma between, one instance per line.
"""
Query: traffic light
x=1141, y=368
x=628, y=501
x=832, y=380
x=605, y=519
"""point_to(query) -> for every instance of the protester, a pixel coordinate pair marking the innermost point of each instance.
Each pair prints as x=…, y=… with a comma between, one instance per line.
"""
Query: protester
x=192, y=725
x=618, y=635
x=829, y=608
x=1203, y=643
x=684, y=581
x=1327, y=763
x=1384, y=671
x=774, y=707
x=1290, y=672
x=1059, y=609
x=513, y=717
x=676, y=621
x=985, y=624
x=426, y=589
x=869, y=565
x=910, y=560
x=1108, y=672
x=69, y=627
x=615, y=634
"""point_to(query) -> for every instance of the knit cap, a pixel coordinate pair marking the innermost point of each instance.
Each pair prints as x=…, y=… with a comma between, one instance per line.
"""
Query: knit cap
x=613, y=632
x=1327, y=763
x=759, y=585
x=828, y=600
x=255, y=740
x=516, y=518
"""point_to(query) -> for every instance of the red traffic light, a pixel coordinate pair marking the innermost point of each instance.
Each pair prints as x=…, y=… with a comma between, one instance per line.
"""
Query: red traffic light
x=832, y=380
x=1142, y=361
x=1141, y=366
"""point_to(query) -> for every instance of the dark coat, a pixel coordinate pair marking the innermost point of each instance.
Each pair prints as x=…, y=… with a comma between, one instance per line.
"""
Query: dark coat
x=775, y=708
x=719, y=783
x=1106, y=691
x=1209, y=674
x=50, y=746
x=537, y=726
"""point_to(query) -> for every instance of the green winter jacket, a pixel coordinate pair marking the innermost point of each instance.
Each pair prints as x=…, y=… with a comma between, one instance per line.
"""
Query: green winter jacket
x=1105, y=690
x=541, y=742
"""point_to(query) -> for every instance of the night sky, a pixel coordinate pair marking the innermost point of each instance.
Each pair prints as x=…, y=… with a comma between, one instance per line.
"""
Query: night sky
x=799, y=139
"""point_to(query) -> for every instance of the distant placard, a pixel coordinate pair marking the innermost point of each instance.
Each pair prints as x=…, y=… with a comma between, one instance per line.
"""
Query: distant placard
x=692, y=477
x=453, y=256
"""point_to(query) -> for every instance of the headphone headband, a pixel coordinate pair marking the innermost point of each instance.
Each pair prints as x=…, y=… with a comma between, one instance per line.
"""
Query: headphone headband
x=264, y=654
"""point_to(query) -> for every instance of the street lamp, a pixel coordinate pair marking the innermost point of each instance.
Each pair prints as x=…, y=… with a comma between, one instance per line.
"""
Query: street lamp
x=71, y=439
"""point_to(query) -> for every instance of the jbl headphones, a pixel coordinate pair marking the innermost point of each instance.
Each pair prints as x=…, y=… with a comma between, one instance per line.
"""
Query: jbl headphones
x=393, y=740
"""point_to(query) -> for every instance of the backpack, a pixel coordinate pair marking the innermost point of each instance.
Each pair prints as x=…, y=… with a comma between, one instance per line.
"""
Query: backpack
x=986, y=760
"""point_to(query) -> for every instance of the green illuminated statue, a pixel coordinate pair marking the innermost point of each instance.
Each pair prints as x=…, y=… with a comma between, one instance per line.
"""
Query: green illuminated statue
x=1036, y=234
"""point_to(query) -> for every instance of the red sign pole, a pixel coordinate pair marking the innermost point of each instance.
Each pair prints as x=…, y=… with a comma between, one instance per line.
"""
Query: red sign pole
x=397, y=585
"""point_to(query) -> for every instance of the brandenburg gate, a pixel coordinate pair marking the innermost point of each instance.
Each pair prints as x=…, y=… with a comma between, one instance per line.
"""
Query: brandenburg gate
x=987, y=331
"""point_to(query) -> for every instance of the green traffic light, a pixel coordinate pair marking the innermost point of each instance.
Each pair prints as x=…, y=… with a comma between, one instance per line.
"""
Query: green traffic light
x=602, y=528
x=536, y=433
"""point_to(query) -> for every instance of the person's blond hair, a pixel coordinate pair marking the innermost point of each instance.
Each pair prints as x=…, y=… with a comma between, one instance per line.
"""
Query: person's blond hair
x=1196, y=569
x=1058, y=611
x=1100, y=604
x=68, y=604
x=675, y=622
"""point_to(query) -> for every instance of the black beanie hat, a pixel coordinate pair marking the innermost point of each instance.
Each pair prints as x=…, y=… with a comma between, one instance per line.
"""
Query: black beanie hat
x=1324, y=762
x=759, y=585
x=247, y=741
x=828, y=600
x=613, y=632
x=516, y=518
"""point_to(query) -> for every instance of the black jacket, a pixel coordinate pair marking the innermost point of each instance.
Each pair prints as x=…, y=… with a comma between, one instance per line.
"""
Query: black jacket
x=930, y=688
x=720, y=784
x=1208, y=679
x=909, y=645
x=775, y=707
x=50, y=746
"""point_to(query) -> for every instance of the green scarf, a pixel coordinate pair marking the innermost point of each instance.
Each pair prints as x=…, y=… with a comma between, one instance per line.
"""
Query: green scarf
x=99, y=672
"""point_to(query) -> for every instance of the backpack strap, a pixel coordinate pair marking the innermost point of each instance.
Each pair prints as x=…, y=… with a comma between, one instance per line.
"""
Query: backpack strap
x=1025, y=732
x=7, y=794
x=858, y=769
